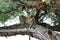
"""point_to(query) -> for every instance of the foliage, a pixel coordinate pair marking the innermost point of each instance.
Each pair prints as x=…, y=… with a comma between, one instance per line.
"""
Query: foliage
x=5, y=10
x=8, y=9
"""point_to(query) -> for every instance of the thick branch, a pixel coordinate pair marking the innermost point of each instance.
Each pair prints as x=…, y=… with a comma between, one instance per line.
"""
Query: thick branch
x=36, y=31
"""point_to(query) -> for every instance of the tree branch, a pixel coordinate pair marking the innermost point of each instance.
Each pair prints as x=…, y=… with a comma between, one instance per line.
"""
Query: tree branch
x=36, y=31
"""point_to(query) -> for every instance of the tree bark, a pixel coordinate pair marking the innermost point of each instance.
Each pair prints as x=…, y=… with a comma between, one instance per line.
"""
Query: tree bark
x=36, y=31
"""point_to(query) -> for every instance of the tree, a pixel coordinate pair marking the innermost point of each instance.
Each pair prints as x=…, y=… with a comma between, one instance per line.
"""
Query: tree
x=15, y=7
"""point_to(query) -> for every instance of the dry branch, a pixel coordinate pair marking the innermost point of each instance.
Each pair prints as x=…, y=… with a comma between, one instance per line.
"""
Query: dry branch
x=36, y=31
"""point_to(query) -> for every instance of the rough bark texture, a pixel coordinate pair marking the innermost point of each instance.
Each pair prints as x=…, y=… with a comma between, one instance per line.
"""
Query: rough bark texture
x=36, y=31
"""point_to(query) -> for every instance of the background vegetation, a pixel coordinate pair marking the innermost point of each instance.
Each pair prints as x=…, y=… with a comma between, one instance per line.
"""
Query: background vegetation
x=14, y=8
